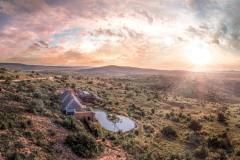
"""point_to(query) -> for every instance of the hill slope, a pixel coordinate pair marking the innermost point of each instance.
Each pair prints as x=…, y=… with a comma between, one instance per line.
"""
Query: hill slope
x=109, y=70
x=40, y=68
x=125, y=70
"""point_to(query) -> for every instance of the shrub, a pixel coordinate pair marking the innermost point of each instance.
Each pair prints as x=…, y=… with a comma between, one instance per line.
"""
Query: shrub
x=37, y=95
x=195, y=125
x=16, y=156
x=201, y=153
x=179, y=156
x=148, y=128
x=221, y=118
x=220, y=143
x=113, y=117
x=3, y=70
x=71, y=124
x=25, y=124
x=222, y=155
x=194, y=140
x=136, y=149
x=238, y=153
x=175, y=157
x=97, y=129
x=41, y=143
x=84, y=145
x=169, y=132
x=15, y=97
x=36, y=106
x=19, y=145
x=51, y=133
x=3, y=125
x=28, y=134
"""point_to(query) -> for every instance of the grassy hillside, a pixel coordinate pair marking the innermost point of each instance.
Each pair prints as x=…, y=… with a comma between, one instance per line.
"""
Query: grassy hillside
x=41, y=68
x=178, y=117
x=123, y=70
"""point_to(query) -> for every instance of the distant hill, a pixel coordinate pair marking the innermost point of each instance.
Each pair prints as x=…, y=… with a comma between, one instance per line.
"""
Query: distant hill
x=107, y=70
x=125, y=70
x=41, y=68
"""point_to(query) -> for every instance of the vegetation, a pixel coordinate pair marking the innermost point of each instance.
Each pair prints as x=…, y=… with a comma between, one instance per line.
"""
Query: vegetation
x=195, y=125
x=221, y=118
x=177, y=116
x=113, y=117
x=169, y=132
x=194, y=140
x=220, y=142
x=201, y=153
x=84, y=145
x=71, y=123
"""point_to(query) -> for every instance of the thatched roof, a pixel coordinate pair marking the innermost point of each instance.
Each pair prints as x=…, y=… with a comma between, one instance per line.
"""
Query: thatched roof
x=70, y=101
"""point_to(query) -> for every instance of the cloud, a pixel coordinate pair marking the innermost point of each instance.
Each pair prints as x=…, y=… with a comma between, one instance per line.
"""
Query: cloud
x=202, y=7
x=114, y=31
x=229, y=26
x=222, y=16
x=54, y=56
x=7, y=7
x=149, y=18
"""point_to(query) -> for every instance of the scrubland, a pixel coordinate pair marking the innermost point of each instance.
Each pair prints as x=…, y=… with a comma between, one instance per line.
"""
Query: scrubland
x=178, y=116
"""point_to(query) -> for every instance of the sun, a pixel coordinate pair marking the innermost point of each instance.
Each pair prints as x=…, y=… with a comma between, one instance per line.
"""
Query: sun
x=198, y=54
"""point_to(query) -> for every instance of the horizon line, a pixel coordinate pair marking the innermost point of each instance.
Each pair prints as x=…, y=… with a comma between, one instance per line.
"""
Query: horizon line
x=100, y=66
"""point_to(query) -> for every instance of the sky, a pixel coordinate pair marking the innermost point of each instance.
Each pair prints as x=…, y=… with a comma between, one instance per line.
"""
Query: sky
x=160, y=34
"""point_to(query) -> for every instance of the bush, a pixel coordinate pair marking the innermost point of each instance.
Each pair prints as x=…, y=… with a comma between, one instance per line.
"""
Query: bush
x=28, y=134
x=175, y=157
x=169, y=132
x=194, y=140
x=3, y=70
x=201, y=153
x=3, y=126
x=220, y=143
x=148, y=128
x=25, y=124
x=222, y=155
x=16, y=156
x=36, y=106
x=19, y=145
x=195, y=125
x=97, y=129
x=140, y=151
x=52, y=133
x=84, y=145
x=221, y=118
x=238, y=153
x=71, y=124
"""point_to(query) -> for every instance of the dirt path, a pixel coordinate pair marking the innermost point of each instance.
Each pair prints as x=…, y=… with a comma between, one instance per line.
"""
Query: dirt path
x=30, y=79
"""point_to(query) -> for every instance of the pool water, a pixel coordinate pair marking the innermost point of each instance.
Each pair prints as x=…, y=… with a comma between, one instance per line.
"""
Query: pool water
x=124, y=124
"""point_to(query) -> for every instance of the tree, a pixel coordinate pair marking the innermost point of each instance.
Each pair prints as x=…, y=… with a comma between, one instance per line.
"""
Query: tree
x=84, y=145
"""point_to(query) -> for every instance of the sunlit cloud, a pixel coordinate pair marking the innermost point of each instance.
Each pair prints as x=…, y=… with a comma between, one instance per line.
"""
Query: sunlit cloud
x=153, y=34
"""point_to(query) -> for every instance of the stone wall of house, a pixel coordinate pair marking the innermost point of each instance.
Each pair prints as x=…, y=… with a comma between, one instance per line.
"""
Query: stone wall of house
x=84, y=115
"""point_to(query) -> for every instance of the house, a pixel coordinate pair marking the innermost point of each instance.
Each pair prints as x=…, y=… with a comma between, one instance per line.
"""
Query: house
x=87, y=97
x=71, y=105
